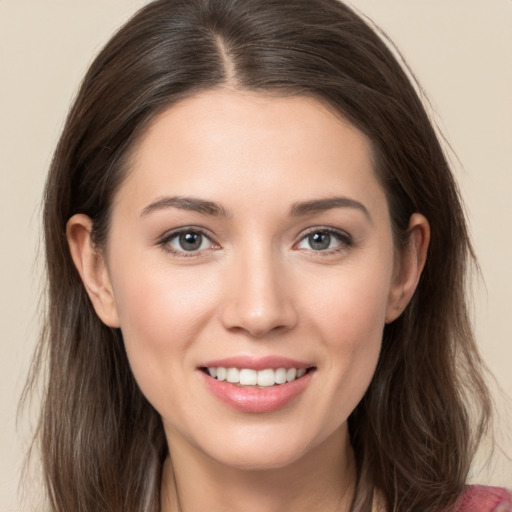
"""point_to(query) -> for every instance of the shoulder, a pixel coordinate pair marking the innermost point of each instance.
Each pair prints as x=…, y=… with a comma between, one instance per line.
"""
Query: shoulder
x=480, y=498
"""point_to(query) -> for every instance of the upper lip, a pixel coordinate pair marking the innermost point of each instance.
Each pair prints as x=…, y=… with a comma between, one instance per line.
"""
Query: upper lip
x=256, y=363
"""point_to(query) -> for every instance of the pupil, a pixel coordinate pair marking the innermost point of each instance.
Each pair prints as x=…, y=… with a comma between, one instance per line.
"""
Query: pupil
x=320, y=241
x=190, y=241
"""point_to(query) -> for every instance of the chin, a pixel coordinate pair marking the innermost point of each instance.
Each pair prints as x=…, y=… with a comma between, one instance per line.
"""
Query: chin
x=260, y=459
x=269, y=449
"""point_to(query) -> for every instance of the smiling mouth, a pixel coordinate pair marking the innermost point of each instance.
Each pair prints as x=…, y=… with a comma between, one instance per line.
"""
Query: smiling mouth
x=247, y=377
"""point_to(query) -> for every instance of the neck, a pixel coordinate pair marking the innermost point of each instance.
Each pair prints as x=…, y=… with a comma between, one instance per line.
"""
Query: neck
x=324, y=479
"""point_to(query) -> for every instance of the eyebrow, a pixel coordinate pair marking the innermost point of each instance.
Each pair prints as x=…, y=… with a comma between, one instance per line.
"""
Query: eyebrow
x=185, y=203
x=205, y=207
x=321, y=205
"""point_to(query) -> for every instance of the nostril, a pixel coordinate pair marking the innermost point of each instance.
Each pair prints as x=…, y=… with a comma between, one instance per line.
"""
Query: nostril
x=259, y=324
x=258, y=305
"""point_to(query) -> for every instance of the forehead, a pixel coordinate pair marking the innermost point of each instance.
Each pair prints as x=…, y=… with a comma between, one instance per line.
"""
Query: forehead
x=259, y=145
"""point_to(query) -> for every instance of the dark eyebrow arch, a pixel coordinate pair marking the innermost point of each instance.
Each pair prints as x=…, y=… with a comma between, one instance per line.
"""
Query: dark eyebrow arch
x=185, y=203
x=321, y=205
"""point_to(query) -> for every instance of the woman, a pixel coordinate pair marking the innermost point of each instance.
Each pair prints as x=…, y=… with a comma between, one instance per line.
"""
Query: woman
x=247, y=221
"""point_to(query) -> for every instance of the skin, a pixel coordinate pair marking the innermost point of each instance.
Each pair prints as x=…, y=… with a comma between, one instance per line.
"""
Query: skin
x=256, y=287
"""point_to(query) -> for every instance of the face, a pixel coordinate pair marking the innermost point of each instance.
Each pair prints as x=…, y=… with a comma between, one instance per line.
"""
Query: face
x=252, y=268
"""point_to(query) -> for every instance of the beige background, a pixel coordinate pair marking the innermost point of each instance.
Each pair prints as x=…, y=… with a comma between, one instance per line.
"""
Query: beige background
x=460, y=50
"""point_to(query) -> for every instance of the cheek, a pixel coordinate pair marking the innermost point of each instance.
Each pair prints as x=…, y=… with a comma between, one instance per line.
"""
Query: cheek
x=155, y=309
x=350, y=317
x=354, y=336
x=149, y=280
x=350, y=306
x=161, y=315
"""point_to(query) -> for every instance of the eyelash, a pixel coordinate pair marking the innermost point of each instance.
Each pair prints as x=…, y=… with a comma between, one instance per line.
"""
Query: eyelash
x=344, y=239
x=164, y=242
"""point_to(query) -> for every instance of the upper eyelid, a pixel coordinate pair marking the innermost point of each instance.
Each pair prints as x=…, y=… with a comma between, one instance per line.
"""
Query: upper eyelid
x=186, y=229
x=325, y=229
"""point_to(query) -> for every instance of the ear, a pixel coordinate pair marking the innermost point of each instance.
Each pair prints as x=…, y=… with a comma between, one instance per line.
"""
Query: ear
x=92, y=268
x=410, y=261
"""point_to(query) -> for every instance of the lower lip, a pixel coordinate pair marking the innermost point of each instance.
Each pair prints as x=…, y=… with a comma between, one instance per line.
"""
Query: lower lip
x=257, y=400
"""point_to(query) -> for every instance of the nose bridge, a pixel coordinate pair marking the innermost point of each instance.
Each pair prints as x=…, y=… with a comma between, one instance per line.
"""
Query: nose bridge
x=259, y=298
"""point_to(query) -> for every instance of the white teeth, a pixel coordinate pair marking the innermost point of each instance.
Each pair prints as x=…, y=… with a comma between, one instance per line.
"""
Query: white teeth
x=233, y=375
x=280, y=376
x=249, y=377
x=291, y=373
x=266, y=378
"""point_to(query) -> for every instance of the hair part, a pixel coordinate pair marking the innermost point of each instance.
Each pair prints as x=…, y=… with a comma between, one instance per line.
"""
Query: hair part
x=102, y=443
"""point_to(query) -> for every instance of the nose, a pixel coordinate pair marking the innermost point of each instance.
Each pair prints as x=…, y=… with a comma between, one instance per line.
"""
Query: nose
x=259, y=297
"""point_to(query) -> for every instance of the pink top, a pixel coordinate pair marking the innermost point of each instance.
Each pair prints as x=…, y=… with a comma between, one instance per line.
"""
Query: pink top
x=479, y=498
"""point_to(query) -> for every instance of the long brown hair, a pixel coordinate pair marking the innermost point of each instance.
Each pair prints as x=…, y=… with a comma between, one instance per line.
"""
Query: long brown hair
x=415, y=431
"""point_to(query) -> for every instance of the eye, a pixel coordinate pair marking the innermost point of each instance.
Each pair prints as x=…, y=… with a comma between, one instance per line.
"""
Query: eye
x=324, y=240
x=189, y=241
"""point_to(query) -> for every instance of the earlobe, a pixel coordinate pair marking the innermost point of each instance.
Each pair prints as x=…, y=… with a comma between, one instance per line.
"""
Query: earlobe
x=410, y=263
x=92, y=268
